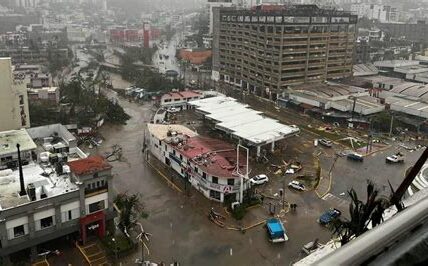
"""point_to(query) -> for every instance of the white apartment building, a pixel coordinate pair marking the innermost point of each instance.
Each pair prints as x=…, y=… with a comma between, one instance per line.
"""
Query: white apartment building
x=383, y=13
x=209, y=165
x=14, y=113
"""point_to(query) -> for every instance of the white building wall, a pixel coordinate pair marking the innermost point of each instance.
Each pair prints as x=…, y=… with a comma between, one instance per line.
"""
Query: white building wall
x=14, y=113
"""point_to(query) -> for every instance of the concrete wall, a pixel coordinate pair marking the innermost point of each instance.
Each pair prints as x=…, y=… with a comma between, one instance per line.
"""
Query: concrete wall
x=13, y=100
x=47, y=131
x=35, y=237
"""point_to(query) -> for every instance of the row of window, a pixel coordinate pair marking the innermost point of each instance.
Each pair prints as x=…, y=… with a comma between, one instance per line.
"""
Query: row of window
x=49, y=221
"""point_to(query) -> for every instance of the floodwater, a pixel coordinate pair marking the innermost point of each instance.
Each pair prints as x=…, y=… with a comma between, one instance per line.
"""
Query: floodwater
x=180, y=227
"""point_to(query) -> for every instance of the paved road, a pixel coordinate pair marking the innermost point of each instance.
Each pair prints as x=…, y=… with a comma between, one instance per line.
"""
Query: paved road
x=350, y=174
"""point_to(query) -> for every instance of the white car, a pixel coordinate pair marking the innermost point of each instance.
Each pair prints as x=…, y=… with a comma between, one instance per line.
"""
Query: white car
x=395, y=159
x=259, y=179
x=296, y=185
x=173, y=110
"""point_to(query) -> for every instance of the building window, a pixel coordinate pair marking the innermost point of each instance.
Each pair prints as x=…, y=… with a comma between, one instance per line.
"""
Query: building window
x=215, y=194
x=215, y=180
x=18, y=231
x=21, y=99
x=196, y=169
x=96, y=206
x=46, y=222
x=204, y=175
x=231, y=181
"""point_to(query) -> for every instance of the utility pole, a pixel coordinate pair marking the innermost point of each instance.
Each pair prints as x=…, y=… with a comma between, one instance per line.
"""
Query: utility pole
x=242, y=176
x=390, y=126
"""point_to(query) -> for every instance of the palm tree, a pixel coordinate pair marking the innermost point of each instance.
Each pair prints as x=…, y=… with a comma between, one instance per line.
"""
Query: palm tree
x=361, y=214
x=129, y=206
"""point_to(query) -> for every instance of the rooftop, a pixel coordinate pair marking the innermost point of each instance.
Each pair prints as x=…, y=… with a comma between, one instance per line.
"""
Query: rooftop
x=213, y=156
x=181, y=94
x=364, y=70
x=161, y=131
x=89, y=165
x=396, y=63
x=49, y=184
x=9, y=139
x=412, y=89
x=328, y=90
x=242, y=122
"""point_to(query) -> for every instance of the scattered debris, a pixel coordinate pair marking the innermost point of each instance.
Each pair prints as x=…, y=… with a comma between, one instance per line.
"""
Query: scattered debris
x=115, y=154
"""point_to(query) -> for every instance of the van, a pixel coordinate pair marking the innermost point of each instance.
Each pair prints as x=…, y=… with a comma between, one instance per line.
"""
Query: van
x=355, y=156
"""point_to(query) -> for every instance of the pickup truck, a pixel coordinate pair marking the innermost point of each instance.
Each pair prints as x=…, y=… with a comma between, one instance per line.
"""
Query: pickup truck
x=276, y=231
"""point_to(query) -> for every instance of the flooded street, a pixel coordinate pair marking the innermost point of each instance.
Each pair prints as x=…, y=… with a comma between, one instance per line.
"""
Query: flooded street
x=181, y=230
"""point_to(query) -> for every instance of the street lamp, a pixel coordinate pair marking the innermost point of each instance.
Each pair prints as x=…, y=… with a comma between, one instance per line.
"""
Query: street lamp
x=115, y=247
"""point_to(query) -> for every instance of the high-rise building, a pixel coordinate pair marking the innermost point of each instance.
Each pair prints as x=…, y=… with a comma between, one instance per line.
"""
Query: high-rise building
x=216, y=3
x=267, y=48
x=14, y=112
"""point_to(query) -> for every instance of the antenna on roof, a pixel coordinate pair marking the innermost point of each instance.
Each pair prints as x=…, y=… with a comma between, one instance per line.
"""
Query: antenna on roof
x=21, y=175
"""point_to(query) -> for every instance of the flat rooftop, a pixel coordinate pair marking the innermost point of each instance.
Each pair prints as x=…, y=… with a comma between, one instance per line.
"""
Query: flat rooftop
x=49, y=184
x=242, y=122
x=9, y=139
x=181, y=94
x=213, y=156
x=328, y=90
x=161, y=131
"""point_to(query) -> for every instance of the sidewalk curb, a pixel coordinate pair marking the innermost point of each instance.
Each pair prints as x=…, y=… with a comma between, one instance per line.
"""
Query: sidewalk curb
x=164, y=177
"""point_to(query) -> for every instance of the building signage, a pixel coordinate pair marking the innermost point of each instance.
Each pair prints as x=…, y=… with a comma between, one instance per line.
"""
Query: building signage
x=93, y=227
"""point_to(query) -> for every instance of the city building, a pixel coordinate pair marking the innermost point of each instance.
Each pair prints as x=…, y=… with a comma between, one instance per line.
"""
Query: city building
x=14, y=113
x=59, y=191
x=34, y=56
x=333, y=99
x=45, y=94
x=179, y=99
x=264, y=50
x=8, y=154
x=382, y=13
x=416, y=32
x=209, y=165
x=216, y=3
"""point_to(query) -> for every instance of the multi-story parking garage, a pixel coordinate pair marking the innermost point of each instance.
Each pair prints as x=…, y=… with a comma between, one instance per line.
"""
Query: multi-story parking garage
x=267, y=48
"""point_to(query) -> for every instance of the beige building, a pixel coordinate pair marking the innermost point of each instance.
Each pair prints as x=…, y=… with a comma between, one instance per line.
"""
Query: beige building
x=266, y=49
x=14, y=113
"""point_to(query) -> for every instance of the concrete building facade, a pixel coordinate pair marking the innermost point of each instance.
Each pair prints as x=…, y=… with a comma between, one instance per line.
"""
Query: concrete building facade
x=266, y=50
x=14, y=113
x=207, y=164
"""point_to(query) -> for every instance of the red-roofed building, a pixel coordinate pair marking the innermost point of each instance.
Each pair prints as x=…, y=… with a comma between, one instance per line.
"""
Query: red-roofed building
x=93, y=175
x=179, y=99
x=210, y=165
x=89, y=165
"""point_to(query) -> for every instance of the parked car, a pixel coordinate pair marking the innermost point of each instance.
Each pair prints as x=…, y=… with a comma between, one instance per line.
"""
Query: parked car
x=325, y=142
x=259, y=179
x=329, y=216
x=355, y=157
x=296, y=185
x=396, y=158
x=173, y=110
